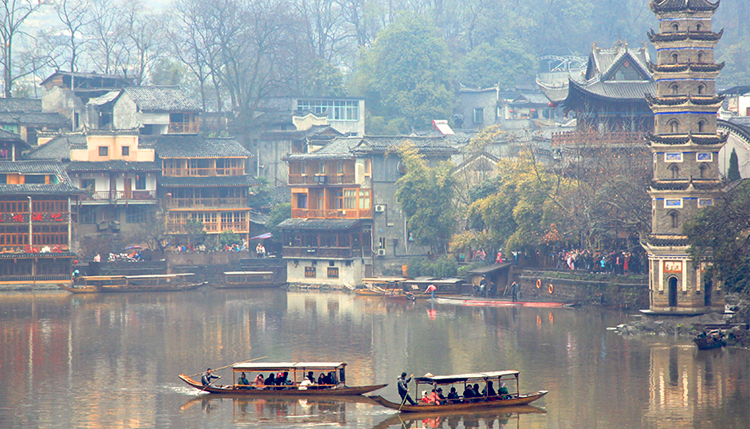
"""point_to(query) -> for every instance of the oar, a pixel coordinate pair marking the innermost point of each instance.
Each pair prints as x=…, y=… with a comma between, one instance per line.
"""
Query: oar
x=231, y=364
x=204, y=387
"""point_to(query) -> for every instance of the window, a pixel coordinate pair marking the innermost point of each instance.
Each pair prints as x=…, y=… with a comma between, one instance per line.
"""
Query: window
x=698, y=27
x=674, y=219
x=675, y=58
x=310, y=272
x=126, y=151
x=89, y=184
x=675, y=27
x=301, y=201
x=321, y=167
x=140, y=181
x=700, y=57
x=704, y=171
x=675, y=171
x=478, y=116
x=675, y=89
x=364, y=199
x=303, y=168
x=333, y=272
x=338, y=110
x=701, y=126
x=674, y=127
x=701, y=89
x=367, y=167
x=103, y=151
x=350, y=199
x=136, y=214
x=340, y=168
x=87, y=215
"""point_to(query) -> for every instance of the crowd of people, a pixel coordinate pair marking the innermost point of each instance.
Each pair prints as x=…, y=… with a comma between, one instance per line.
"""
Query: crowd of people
x=471, y=393
x=278, y=381
x=619, y=262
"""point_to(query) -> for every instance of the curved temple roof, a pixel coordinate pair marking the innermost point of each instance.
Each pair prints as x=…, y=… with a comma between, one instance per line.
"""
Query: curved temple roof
x=460, y=378
x=683, y=5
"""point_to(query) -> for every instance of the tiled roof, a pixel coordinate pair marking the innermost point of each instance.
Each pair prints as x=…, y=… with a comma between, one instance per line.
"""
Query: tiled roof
x=9, y=135
x=36, y=119
x=616, y=91
x=701, y=185
x=319, y=224
x=210, y=181
x=198, y=146
x=114, y=165
x=425, y=145
x=63, y=187
x=58, y=148
x=338, y=148
x=162, y=99
x=683, y=5
x=27, y=105
x=664, y=240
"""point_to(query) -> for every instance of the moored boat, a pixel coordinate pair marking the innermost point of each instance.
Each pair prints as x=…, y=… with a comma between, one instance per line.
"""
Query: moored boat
x=141, y=283
x=484, y=401
x=711, y=340
x=247, y=280
x=296, y=381
x=495, y=302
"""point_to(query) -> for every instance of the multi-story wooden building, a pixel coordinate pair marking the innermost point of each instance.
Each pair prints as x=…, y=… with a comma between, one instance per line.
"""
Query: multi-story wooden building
x=685, y=146
x=35, y=221
x=204, y=180
x=346, y=223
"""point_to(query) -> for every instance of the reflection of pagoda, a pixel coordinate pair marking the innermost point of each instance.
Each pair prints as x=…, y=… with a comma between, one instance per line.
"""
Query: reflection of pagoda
x=685, y=147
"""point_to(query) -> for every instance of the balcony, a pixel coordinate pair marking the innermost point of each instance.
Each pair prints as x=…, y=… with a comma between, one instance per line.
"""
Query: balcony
x=109, y=196
x=577, y=138
x=203, y=172
x=325, y=252
x=184, y=128
x=180, y=203
x=209, y=227
x=331, y=214
x=321, y=179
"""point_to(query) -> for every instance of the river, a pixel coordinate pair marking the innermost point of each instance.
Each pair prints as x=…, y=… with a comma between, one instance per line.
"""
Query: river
x=112, y=360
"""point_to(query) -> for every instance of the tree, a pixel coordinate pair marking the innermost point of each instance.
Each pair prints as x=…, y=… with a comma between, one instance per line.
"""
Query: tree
x=406, y=73
x=734, y=167
x=720, y=234
x=426, y=196
x=505, y=62
x=106, y=31
x=324, y=80
x=13, y=15
x=74, y=17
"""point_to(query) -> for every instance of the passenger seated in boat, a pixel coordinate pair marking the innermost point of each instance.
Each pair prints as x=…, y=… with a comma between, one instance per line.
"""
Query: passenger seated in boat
x=322, y=379
x=424, y=399
x=477, y=393
x=440, y=398
x=468, y=394
x=242, y=382
x=503, y=391
x=258, y=382
x=282, y=378
x=453, y=396
x=305, y=383
x=311, y=377
x=270, y=380
x=489, y=392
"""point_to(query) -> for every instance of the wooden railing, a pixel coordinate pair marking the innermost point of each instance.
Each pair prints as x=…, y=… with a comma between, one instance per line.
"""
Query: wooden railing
x=177, y=203
x=572, y=138
x=184, y=127
x=119, y=195
x=321, y=179
x=202, y=172
x=325, y=252
x=331, y=214
x=210, y=227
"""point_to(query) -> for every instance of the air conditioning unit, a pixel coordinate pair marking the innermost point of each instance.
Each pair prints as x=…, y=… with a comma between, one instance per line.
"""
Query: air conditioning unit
x=379, y=208
x=381, y=252
x=321, y=179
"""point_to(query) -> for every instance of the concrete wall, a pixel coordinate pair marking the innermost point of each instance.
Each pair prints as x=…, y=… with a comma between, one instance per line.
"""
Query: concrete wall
x=348, y=275
x=626, y=295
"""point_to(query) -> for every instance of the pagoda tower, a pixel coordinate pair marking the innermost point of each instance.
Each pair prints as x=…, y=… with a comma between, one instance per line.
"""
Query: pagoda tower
x=685, y=147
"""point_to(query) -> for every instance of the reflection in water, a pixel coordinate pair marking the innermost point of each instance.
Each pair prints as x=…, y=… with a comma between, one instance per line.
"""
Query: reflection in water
x=112, y=361
x=506, y=418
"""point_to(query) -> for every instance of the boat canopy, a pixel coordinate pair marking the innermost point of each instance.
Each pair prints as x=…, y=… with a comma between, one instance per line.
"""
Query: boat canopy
x=246, y=273
x=463, y=378
x=287, y=366
x=144, y=276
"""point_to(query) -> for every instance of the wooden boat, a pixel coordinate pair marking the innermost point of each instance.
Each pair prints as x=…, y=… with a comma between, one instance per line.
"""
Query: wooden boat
x=711, y=340
x=142, y=283
x=480, y=403
x=246, y=280
x=296, y=380
x=484, y=302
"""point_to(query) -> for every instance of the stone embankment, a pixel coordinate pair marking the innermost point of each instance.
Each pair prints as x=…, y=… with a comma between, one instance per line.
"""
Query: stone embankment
x=734, y=325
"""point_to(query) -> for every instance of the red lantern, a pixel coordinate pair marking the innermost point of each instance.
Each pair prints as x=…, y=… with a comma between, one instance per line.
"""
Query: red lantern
x=551, y=104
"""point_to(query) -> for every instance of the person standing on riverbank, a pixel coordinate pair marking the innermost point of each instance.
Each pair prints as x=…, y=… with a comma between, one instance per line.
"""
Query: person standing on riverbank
x=403, y=388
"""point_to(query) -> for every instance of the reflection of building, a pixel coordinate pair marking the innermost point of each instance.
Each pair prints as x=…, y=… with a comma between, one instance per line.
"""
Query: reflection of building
x=685, y=147
x=35, y=221
x=204, y=181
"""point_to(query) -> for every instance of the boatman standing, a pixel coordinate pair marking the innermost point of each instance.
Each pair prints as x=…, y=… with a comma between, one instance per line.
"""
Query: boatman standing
x=403, y=388
x=207, y=377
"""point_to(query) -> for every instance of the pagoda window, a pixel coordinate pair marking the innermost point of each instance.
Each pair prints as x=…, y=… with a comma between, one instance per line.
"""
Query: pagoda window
x=701, y=126
x=675, y=28
x=675, y=219
x=700, y=57
x=675, y=89
x=674, y=126
x=698, y=27
x=701, y=89
x=675, y=171
x=704, y=171
x=675, y=58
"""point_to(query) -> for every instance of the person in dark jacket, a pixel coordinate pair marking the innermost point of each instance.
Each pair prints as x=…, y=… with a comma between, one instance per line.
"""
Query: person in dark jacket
x=468, y=394
x=453, y=396
x=403, y=388
x=270, y=380
x=489, y=391
x=207, y=377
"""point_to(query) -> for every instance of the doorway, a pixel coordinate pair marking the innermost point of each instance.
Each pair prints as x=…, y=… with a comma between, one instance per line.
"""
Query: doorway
x=707, y=294
x=128, y=189
x=673, y=291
